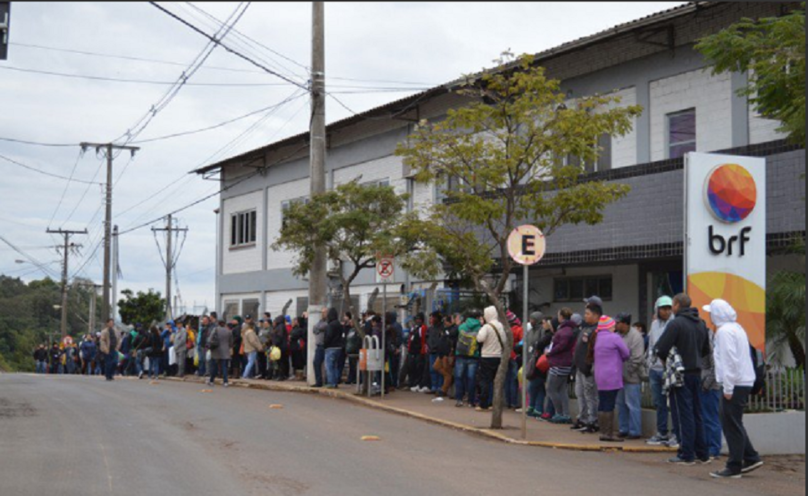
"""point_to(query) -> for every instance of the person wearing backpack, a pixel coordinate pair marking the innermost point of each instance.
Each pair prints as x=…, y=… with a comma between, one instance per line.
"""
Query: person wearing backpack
x=467, y=358
x=735, y=372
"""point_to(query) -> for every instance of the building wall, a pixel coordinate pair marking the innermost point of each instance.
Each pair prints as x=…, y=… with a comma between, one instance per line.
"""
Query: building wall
x=276, y=195
x=244, y=259
x=709, y=95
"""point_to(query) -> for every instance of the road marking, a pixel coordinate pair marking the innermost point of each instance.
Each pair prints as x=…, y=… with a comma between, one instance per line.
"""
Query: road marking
x=275, y=406
x=206, y=390
x=371, y=438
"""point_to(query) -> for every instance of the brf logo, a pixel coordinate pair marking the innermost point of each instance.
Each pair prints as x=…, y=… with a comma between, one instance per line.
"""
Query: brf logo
x=731, y=195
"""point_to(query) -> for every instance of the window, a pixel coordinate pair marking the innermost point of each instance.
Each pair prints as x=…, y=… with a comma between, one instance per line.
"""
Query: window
x=379, y=182
x=681, y=133
x=243, y=228
x=604, y=160
x=230, y=309
x=577, y=288
x=287, y=203
x=250, y=307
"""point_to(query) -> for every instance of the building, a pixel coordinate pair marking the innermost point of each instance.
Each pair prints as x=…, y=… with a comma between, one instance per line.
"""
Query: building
x=634, y=255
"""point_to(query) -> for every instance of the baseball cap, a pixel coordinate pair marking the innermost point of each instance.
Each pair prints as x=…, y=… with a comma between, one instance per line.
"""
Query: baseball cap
x=664, y=301
x=623, y=317
x=594, y=300
x=248, y=317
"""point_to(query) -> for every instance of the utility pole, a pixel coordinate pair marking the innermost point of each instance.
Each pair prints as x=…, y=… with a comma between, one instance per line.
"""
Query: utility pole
x=169, y=261
x=114, y=296
x=108, y=147
x=65, y=253
x=318, y=282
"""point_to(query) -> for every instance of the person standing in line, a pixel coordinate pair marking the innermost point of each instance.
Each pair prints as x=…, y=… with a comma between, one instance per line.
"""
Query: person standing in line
x=467, y=358
x=586, y=391
x=155, y=353
x=710, y=400
x=492, y=337
x=663, y=315
x=629, y=398
x=333, y=344
x=252, y=347
x=511, y=379
x=265, y=337
x=280, y=339
x=560, y=359
x=109, y=347
x=417, y=356
x=319, y=347
x=445, y=351
x=220, y=355
x=41, y=359
x=434, y=335
x=735, y=372
x=297, y=346
x=180, y=338
x=609, y=354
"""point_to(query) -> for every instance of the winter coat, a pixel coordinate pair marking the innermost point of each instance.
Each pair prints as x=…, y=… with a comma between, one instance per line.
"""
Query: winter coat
x=279, y=336
x=333, y=332
x=224, y=351
x=156, y=346
x=689, y=334
x=417, y=340
x=581, y=348
x=658, y=327
x=610, y=353
x=251, y=341
x=180, y=338
x=491, y=342
x=636, y=347
x=560, y=355
x=88, y=351
x=733, y=360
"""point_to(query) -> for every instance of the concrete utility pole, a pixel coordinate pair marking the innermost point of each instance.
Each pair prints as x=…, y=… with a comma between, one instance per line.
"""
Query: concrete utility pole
x=65, y=253
x=114, y=295
x=108, y=147
x=318, y=282
x=170, y=263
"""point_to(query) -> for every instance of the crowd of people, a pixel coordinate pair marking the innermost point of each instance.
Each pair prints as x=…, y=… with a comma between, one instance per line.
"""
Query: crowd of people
x=607, y=358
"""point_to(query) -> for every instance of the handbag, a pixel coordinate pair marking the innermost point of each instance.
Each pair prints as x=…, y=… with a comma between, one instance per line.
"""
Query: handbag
x=533, y=372
x=542, y=364
x=274, y=353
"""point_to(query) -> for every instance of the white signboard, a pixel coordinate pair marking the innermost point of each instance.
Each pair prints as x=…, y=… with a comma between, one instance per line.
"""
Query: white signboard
x=725, y=233
x=385, y=269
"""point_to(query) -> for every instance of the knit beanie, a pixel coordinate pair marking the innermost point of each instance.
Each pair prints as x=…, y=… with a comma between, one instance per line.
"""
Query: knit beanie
x=606, y=323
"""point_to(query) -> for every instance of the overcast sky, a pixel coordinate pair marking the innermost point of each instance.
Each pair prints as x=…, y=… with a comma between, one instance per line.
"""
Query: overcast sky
x=373, y=51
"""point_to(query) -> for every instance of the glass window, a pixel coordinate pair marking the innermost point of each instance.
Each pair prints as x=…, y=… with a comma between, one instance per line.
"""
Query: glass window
x=230, y=309
x=561, y=290
x=576, y=289
x=591, y=287
x=250, y=307
x=242, y=228
x=605, y=288
x=681, y=133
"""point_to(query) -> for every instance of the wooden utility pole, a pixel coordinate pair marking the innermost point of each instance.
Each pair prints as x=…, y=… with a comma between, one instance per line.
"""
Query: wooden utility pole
x=169, y=261
x=108, y=147
x=318, y=282
x=65, y=254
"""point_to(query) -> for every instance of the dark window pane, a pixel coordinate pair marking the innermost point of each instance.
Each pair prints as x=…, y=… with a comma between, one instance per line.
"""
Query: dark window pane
x=591, y=287
x=605, y=288
x=561, y=290
x=252, y=227
x=233, y=229
x=576, y=289
x=677, y=151
x=605, y=152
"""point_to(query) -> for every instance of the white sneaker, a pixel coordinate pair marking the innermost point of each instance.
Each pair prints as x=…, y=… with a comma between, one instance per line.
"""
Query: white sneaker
x=437, y=400
x=415, y=389
x=425, y=390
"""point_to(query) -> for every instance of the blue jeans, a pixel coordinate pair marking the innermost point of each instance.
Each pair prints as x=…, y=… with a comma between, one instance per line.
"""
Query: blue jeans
x=434, y=375
x=41, y=367
x=154, y=367
x=655, y=378
x=691, y=425
x=332, y=357
x=221, y=364
x=201, y=353
x=536, y=393
x=629, y=411
x=712, y=422
x=340, y=365
x=466, y=378
x=395, y=361
x=512, y=385
x=110, y=362
x=248, y=370
x=319, y=359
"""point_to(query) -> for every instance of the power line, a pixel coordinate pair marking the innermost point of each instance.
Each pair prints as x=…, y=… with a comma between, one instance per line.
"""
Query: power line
x=37, y=143
x=15, y=162
x=234, y=52
x=67, y=185
x=29, y=257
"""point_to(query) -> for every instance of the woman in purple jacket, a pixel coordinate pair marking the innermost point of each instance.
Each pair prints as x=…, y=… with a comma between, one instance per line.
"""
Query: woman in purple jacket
x=560, y=359
x=609, y=354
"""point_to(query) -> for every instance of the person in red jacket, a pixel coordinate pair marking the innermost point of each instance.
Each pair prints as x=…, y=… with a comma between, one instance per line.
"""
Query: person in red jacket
x=560, y=359
x=511, y=379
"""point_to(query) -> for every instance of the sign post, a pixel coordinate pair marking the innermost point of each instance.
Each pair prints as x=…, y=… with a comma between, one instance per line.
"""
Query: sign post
x=385, y=268
x=526, y=246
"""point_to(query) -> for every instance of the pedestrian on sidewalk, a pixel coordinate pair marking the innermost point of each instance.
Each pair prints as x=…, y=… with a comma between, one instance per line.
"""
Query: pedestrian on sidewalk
x=560, y=359
x=492, y=339
x=629, y=398
x=155, y=353
x=109, y=347
x=511, y=379
x=319, y=347
x=297, y=346
x=735, y=372
x=252, y=347
x=264, y=335
x=535, y=386
x=434, y=334
x=445, y=351
x=467, y=359
x=417, y=356
x=710, y=393
x=586, y=391
x=333, y=344
x=688, y=333
x=609, y=353
x=663, y=315
x=180, y=350
x=280, y=339
x=220, y=354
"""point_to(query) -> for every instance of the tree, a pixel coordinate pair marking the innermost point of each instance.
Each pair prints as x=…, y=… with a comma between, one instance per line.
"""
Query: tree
x=354, y=222
x=144, y=308
x=785, y=310
x=772, y=49
x=500, y=159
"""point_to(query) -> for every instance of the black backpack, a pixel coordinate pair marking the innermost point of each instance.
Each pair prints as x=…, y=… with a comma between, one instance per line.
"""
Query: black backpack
x=760, y=371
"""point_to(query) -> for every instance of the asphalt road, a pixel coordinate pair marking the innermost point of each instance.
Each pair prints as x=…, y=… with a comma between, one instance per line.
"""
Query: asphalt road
x=69, y=435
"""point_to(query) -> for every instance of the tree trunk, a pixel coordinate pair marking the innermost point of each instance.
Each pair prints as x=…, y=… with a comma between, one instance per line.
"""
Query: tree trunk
x=502, y=370
x=797, y=349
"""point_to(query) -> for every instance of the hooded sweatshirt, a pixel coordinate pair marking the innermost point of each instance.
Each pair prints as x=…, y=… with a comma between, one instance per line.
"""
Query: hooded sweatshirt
x=658, y=327
x=733, y=362
x=491, y=344
x=333, y=332
x=470, y=326
x=689, y=334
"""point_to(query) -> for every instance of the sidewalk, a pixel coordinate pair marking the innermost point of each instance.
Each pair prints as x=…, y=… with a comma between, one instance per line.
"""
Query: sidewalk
x=420, y=406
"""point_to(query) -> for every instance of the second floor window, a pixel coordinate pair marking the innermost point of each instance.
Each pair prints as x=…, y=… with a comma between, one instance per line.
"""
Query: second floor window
x=287, y=203
x=681, y=133
x=243, y=228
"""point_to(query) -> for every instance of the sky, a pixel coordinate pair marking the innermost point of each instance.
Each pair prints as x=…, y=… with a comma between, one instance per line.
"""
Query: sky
x=134, y=54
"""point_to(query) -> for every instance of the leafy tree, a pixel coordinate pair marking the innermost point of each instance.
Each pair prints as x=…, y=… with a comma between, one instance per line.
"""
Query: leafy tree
x=353, y=222
x=772, y=49
x=144, y=308
x=785, y=310
x=500, y=157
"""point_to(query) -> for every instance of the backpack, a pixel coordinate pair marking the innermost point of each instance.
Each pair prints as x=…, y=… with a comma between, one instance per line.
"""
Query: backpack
x=760, y=371
x=353, y=343
x=213, y=341
x=466, y=344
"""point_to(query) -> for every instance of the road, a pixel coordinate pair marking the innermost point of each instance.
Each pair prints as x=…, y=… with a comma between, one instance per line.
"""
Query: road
x=72, y=435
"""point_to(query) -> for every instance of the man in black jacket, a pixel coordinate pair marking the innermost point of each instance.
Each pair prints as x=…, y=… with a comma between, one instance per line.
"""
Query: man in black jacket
x=585, y=388
x=333, y=344
x=688, y=333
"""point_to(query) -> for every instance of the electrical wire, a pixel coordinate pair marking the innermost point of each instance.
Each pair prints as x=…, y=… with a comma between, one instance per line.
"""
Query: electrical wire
x=37, y=143
x=29, y=257
x=34, y=169
x=67, y=185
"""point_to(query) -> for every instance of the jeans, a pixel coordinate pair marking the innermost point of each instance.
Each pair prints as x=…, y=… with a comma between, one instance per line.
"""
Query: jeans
x=109, y=365
x=319, y=359
x=655, y=378
x=41, y=366
x=712, y=420
x=435, y=376
x=395, y=362
x=332, y=356
x=512, y=385
x=466, y=378
x=738, y=443
x=201, y=353
x=181, y=357
x=607, y=400
x=557, y=389
x=220, y=364
x=629, y=411
x=249, y=369
x=536, y=393
x=154, y=367
x=587, y=393
x=340, y=365
x=488, y=371
x=688, y=408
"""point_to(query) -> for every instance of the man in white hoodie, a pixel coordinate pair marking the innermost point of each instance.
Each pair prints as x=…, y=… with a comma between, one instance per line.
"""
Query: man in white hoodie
x=492, y=337
x=735, y=373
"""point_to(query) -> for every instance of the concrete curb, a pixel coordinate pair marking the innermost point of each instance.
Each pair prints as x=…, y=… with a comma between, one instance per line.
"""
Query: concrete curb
x=487, y=433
